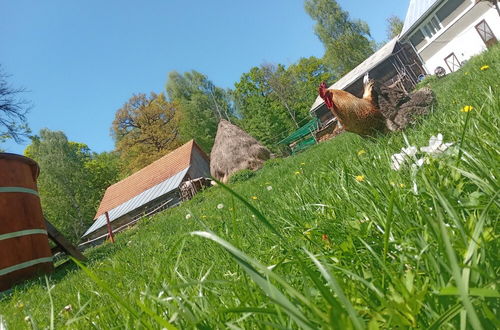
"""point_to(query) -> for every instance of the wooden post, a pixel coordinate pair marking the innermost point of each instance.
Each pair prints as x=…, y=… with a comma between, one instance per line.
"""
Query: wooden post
x=110, y=231
x=62, y=243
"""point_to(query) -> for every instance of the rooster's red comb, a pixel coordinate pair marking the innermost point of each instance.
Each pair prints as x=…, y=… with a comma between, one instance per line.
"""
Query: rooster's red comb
x=325, y=95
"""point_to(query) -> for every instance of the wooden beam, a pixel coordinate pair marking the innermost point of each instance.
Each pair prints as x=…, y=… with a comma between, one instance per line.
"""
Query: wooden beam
x=62, y=242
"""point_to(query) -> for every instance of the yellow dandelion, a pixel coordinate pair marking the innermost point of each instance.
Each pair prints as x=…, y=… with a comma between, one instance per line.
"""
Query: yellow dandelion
x=402, y=185
x=467, y=108
x=254, y=197
x=302, y=163
x=485, y=67
x=297, y=172
x=360, y=178
x=361, y=152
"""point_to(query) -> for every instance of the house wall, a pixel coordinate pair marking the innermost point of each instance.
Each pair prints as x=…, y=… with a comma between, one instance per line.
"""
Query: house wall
x=459, y=36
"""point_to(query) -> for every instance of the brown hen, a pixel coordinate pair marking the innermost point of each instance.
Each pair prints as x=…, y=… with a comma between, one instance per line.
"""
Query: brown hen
x=360, y=116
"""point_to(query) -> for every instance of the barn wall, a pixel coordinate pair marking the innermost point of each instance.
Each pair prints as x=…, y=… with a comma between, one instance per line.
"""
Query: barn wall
x=144, y=209
x=200, y=166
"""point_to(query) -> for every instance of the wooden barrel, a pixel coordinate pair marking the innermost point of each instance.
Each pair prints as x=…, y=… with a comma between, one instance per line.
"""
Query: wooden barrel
x=24, y=244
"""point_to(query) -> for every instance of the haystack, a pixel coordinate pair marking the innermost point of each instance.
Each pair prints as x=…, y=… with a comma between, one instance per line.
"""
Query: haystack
x=235, y=150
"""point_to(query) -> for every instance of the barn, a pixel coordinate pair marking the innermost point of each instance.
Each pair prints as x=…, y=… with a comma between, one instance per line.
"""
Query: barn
x=154, y=188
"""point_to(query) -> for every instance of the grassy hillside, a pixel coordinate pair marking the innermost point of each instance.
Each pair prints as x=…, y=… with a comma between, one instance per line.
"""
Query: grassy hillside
x=330, y=238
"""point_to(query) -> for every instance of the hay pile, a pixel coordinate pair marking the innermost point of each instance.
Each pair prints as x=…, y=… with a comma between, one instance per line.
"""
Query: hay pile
x=235, y=150
x=402, y=109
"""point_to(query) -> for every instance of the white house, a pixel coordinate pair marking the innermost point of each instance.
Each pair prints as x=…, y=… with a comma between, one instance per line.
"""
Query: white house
x=446, y=33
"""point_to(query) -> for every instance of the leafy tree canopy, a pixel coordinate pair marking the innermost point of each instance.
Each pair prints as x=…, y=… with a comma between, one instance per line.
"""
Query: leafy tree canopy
x=273, y=100
x=201, y=104
x=72, y=180
x=347, y=42
x=394, y=27
x=145, y=129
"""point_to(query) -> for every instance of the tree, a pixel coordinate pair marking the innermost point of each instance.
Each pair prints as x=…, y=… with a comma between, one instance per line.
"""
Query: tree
x=201, y=104
x=395, y=26
x=281, y=85
x=72, y=180
x=263, y=114
x=13, y=110
x=347, y=42
x=308, y=73
x=145, y=129
x=273, y=100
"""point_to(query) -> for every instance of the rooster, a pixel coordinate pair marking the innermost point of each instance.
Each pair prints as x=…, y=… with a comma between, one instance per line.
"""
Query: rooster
x=360, y=116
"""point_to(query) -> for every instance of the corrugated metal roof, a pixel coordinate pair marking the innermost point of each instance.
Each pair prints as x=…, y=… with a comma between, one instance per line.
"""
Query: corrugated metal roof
x=139, y=200
x=359, y=71
x=417, y=11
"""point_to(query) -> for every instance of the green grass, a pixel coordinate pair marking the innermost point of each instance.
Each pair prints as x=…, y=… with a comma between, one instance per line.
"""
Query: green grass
x=320, y=249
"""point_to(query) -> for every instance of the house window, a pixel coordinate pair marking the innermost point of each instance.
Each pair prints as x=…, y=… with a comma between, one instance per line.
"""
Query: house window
x=448, y=8
x=431, y=27
x=452, y=62
x=417, y=38
x=486, y=34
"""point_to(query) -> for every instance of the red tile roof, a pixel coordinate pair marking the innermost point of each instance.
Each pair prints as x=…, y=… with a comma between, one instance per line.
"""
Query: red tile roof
x=151, y=175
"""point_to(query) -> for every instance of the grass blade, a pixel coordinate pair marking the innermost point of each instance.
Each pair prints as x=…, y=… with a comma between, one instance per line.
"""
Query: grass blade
x=334, y=285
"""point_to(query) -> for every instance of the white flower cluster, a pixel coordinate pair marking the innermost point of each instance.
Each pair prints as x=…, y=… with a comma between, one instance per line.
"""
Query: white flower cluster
x=435, y=147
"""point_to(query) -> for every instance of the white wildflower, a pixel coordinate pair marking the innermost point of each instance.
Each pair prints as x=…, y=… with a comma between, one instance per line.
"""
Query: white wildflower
x=436, y=145
x=220, y=206
x=419, y=162
x=27, y=318
x=400, y=158
x=396, y=161
x=410, y=151
x=68, y=308
x=269, y=188
x=188, y=216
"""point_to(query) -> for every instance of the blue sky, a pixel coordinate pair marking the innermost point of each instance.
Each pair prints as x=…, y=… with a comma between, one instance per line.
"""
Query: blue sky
x=82, y=60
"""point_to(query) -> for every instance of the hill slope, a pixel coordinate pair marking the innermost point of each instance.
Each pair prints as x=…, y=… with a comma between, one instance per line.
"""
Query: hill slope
x=332, y=238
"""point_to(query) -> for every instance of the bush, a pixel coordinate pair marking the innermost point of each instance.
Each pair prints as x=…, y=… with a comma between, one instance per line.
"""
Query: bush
x=241, y=176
